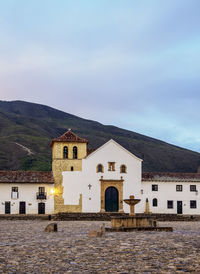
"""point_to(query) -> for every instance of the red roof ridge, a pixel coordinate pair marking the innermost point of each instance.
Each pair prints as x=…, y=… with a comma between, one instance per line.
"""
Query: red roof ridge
x=69, y=136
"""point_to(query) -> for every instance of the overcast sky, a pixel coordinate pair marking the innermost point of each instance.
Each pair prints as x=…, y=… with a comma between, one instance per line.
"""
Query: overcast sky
x=133, y=64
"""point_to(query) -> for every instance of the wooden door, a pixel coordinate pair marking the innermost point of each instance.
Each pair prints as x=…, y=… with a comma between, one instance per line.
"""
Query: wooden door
x=41, y=208
x=111, y=199
x=179, y=207
x=22, y=207
x=7, y=207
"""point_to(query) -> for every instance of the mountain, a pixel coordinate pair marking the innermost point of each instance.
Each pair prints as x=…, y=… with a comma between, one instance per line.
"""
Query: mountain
x=26, y=130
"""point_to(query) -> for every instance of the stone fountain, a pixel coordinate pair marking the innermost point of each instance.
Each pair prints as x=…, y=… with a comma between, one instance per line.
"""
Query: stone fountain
x=132, y=202
x=133, y=221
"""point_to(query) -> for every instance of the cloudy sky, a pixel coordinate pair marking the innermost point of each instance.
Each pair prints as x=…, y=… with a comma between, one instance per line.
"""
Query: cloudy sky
x=131, y=63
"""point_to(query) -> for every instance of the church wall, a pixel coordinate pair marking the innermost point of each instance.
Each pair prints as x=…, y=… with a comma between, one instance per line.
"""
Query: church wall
x=27, y=193
x=112, y=152
x=167, y=191
x=76, y=183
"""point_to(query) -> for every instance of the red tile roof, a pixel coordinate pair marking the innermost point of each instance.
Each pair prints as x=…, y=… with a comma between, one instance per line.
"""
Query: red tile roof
x=69, y=136
x=37, y=177
x=170, y=177
x=46, y=177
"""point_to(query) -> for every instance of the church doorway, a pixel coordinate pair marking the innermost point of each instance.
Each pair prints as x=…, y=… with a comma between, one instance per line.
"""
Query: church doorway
x=111, y=199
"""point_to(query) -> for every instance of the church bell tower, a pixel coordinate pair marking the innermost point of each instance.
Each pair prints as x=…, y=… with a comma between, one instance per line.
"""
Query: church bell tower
x=68, y=150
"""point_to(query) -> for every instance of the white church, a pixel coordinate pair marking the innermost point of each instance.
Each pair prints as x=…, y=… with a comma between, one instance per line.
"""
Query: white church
x=98, y=181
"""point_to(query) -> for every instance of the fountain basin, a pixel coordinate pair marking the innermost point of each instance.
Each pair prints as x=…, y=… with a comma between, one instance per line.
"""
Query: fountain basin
x=132, y=201
x=133, y=221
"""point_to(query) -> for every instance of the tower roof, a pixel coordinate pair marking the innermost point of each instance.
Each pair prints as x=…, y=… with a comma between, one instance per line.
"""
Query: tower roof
x=69, y=136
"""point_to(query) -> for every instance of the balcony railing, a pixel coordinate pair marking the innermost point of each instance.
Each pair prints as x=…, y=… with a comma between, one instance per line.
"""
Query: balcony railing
x=41, y=196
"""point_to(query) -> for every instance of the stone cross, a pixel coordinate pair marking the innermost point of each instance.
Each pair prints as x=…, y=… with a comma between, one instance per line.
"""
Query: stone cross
x=89, y=186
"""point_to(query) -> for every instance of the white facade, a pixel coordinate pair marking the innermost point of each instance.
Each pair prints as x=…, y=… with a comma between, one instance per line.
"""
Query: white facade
x=167, y=193
x=88, y=183
x=177, y=192
x=27, y=196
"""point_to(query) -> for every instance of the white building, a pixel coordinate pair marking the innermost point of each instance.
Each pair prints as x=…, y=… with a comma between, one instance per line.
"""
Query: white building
x=96, y=182
x=111, y=174
x=26, y=192
x=169, y=193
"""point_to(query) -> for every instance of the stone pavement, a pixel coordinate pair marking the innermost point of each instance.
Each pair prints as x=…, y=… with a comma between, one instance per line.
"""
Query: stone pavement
x=26, y=248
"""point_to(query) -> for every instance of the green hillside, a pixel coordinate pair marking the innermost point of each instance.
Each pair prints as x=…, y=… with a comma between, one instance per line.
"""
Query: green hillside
x=33, y=126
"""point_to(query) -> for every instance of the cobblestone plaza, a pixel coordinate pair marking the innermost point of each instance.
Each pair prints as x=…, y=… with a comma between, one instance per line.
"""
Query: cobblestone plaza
x=26, y=248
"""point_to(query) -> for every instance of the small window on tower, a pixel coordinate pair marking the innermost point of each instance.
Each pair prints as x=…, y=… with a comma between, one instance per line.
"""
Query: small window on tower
x=75, y=152
x=111, y=166
x=65, y=152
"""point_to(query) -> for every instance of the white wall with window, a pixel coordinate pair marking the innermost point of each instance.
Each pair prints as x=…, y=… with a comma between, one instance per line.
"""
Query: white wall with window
x=172, y=196
x=110, y=162
x=112, y=165
x=169, y=193
x=24, y=198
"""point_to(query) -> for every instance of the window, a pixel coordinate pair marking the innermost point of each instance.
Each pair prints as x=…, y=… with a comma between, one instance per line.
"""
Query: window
x=193, y=204
x=41, y=194
x=72, y=168
x=15, y=189
x=65, y=152
x=41, y=189
x=75, y=153
x=193, y=188
x=179, y=188
x=170, y=204
x=154, y=187
x=122, y=169
x=111, y=166
x=100, y=168
x=155, y=202
x=14, y=192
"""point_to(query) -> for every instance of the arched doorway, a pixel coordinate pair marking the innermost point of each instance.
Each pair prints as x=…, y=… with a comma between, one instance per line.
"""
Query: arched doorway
x=111, y=199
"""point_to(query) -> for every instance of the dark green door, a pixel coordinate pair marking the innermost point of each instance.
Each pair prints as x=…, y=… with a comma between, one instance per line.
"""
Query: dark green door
x=179, y=207
x=111, y=199
x=41, y=208
x=7, y=207
x=22, y=207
